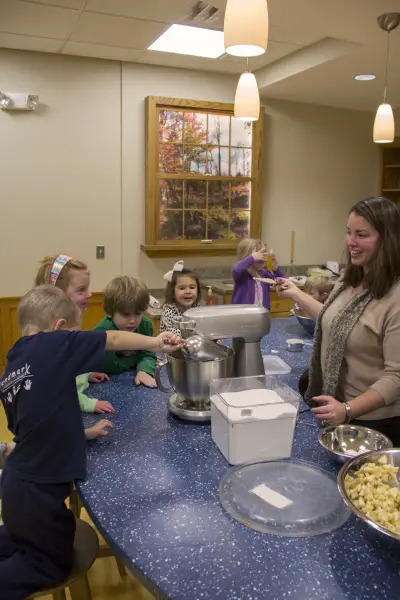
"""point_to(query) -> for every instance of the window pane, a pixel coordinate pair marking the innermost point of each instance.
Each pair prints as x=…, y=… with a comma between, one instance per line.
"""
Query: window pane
x=240, y=162
x=240, y=221
x=195, y=128
x=195, y=194
x=195, y=159
x=218, y=194
x=170, y=126
x=171, y=224
x=241, y=133
x=219, y=224
x=171, y=195
x=219, y=161
x=218, y=130
x=170, y=158
x=195, y=225
x=240, y=194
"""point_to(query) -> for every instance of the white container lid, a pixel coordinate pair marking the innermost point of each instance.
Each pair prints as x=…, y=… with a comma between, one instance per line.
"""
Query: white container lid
x=253, y=405
x=273, y=365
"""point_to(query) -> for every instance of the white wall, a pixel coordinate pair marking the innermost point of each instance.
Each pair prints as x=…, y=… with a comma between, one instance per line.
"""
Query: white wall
x=72, y=173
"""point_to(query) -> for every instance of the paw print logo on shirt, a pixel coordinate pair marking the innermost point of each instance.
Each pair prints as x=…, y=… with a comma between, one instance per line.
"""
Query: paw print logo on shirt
x=28, y=384
x=16, y=389
x=9, y=397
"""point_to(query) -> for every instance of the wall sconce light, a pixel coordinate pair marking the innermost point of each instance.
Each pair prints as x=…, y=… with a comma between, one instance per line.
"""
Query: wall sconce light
x=18, y=101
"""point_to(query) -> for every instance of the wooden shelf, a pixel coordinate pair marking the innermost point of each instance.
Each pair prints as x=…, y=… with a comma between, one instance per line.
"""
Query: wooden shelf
x=391, y=190
x=391, y=166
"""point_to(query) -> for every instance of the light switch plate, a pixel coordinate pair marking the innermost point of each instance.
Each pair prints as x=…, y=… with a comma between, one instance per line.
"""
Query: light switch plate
x=100, y=252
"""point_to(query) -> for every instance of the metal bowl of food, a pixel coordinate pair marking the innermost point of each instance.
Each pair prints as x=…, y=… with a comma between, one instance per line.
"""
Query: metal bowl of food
x=344, y=442
x=370, y=487
x=305, y=321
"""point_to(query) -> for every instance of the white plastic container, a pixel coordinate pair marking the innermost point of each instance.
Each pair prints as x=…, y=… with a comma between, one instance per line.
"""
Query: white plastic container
x=253, y=418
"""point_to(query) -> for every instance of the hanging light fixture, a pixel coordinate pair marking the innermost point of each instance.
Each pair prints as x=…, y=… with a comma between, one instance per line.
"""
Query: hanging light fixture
x=247, y=98
x=384, y=121
x=246, y=27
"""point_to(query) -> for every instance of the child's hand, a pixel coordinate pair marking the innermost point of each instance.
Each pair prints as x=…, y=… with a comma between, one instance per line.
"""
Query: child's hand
x=100, y=429
x=168, y=341
x=102, y=406
x=98, y=377
x=275, y=264
x=260, y=255
x=145, y=379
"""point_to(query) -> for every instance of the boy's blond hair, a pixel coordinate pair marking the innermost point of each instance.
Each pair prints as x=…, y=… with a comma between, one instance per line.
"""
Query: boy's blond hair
x=319, y=285
x=43, y=275
x=247, y=247
x=125, y=294
x=44, y=305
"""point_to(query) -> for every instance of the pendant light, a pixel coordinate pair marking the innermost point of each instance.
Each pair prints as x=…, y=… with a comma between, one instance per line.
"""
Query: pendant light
x=384, y=121
x=247, y=98
x=246, y=27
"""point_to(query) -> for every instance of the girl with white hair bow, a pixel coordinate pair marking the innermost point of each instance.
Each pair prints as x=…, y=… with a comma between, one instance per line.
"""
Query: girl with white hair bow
x=182, y=292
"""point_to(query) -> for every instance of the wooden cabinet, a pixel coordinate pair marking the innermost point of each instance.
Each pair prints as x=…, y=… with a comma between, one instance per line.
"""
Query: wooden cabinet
x=391, y=171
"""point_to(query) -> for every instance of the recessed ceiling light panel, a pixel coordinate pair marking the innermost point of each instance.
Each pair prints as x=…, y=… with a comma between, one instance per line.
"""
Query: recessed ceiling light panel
x=365, y=77
x=194, y=41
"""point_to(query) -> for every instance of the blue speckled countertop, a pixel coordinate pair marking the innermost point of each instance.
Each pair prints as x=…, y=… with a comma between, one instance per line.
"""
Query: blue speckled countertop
x=152, y=490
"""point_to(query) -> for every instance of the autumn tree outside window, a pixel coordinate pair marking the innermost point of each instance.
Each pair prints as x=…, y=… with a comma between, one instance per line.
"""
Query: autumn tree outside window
x=203, y=177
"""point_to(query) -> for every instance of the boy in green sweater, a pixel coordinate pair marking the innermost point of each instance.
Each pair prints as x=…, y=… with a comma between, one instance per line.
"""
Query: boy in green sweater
x=125, y=301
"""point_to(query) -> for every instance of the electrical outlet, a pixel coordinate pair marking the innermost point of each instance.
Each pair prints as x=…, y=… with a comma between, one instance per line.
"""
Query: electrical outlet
x=100, y=252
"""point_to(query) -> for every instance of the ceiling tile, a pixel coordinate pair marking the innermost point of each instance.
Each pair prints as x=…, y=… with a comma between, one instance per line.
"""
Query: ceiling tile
x=77, y=4
x=116, y=31
x=99, y=51
x=27, y=18
x=28, y=42
x=156, y=10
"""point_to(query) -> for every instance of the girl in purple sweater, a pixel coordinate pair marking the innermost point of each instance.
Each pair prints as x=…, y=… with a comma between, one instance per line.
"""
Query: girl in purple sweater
x=252, y=255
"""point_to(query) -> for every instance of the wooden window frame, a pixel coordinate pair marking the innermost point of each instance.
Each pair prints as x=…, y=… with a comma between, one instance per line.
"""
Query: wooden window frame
x=154, y=246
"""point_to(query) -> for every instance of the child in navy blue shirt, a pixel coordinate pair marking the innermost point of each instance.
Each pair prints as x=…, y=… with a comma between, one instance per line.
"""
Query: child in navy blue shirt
x=39, y=395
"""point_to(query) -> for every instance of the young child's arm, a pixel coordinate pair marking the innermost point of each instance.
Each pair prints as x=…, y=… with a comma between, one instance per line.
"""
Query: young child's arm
x=90, y=404
x=125, y=341
x=241, y=267
x=99, y=429
x=146, y=360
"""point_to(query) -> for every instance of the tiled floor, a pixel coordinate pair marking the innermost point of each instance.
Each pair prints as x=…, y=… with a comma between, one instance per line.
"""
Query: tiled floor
x=105, y=581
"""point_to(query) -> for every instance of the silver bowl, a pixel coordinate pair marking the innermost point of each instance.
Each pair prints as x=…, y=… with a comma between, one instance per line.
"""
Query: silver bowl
x=306, y=322
x=345, y=442
x=393, y=457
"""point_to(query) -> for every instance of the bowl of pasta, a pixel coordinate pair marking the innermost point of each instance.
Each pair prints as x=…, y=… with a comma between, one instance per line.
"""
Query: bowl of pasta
x=369, y=485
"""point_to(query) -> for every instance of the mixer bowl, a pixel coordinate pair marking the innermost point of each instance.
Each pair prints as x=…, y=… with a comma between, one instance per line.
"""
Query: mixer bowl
x=190, y=379
x=306, y=322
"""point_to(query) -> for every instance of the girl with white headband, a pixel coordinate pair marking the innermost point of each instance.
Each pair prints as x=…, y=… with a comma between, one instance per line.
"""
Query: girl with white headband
x=182, y=292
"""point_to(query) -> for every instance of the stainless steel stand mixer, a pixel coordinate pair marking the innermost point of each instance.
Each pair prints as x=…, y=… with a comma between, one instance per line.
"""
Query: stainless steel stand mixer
x=246, y=324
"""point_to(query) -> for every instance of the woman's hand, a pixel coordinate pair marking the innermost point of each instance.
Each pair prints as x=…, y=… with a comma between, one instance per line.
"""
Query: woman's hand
x=285, y=288
x=98, y=377
x=331, y=411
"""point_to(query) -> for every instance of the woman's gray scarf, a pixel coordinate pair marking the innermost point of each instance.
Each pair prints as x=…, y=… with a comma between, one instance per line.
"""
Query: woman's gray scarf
x=342, y=325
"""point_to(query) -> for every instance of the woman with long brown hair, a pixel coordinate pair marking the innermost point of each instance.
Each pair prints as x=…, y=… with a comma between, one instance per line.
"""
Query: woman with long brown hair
x=355, y=363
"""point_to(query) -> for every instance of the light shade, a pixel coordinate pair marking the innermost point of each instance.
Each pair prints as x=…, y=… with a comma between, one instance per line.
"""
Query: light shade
x=246, y=27
x=247, y=99
x=384, y=125
x=196, y=41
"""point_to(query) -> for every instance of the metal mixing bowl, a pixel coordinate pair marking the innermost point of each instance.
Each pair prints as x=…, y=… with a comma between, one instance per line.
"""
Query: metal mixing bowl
x=344, y=442
x=393, y=457
x=306, y=322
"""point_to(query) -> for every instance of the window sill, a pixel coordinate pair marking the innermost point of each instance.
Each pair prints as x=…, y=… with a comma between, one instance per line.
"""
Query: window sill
x=158, y=250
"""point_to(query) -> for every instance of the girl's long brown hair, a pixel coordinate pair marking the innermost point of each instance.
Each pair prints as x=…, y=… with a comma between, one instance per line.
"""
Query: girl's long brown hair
x=384, y=216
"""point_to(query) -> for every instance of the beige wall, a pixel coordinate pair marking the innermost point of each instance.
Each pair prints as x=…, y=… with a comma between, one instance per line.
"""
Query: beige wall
x=72, y=173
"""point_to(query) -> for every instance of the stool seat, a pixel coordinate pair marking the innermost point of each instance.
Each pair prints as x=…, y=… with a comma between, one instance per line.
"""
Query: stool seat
x=86, y=548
